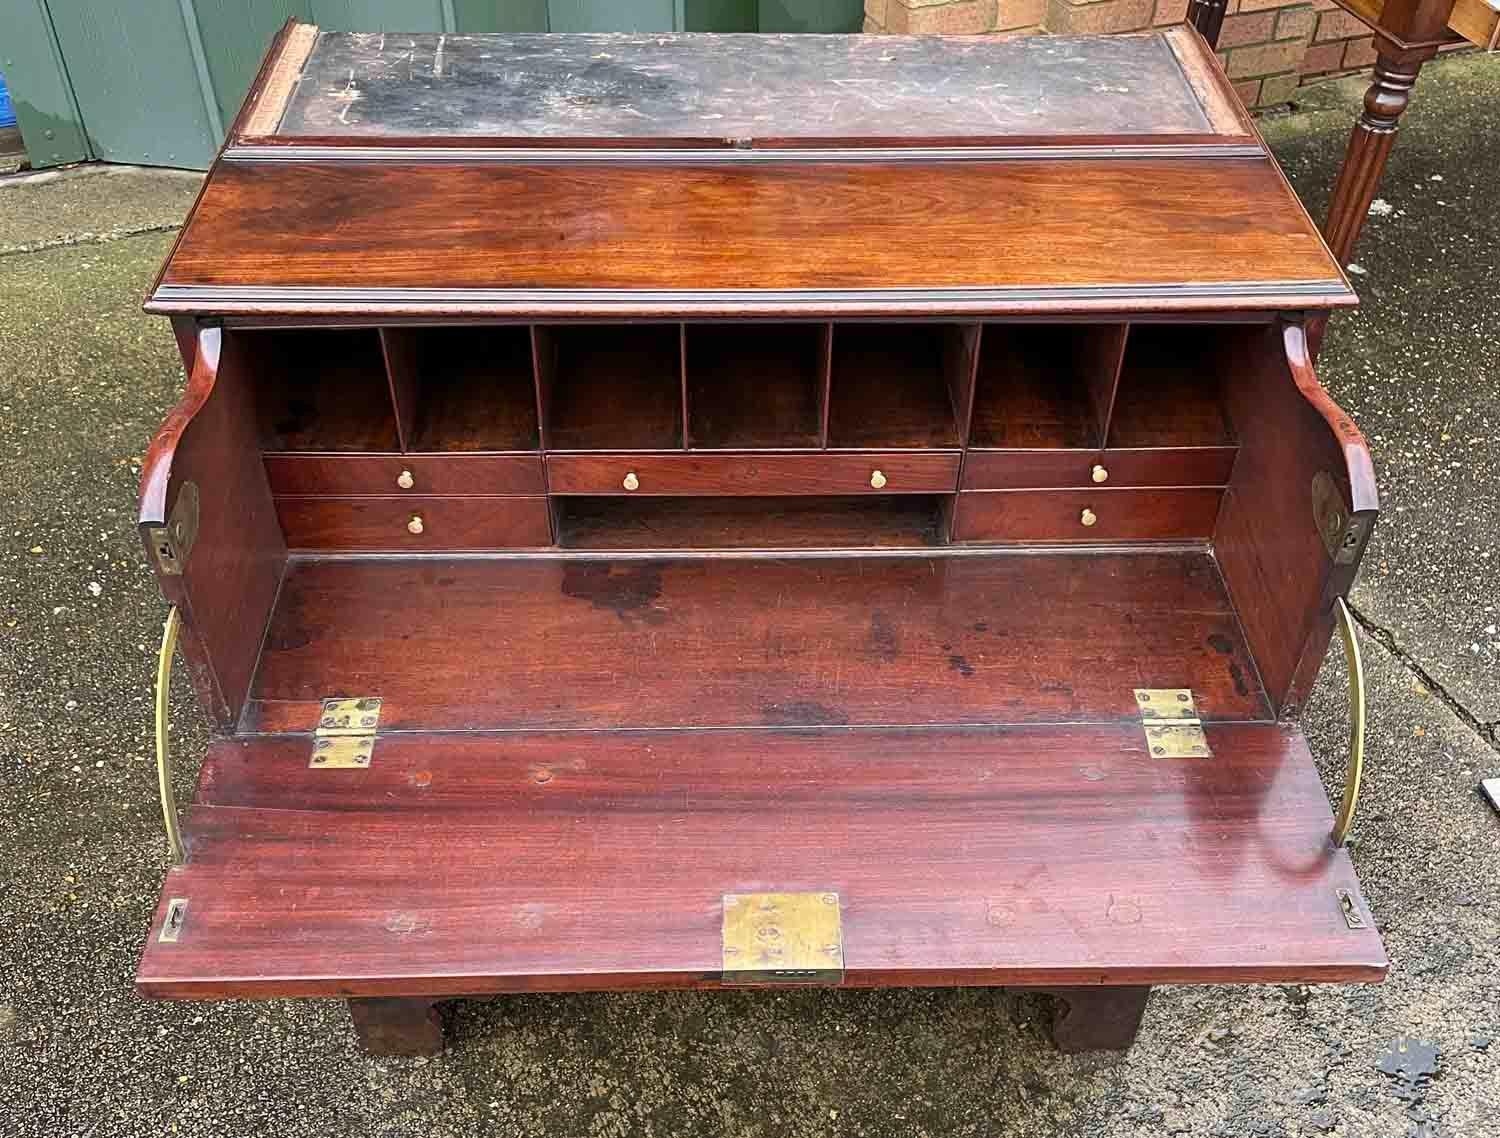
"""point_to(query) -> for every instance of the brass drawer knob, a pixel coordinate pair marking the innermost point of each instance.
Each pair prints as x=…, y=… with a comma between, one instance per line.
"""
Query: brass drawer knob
x=631, y=481
x=1099, y=473
x=415, y=526
x=1088, y=517
x=405, y=480
x=877, y=480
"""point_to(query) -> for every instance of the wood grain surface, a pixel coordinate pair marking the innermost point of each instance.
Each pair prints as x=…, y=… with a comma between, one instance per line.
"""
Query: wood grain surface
x=472, y=864
x=1045, y=468
x=448, y=475
x=735, y=522
x=382, y=523
x=1024, y=225
x=751, y=474
x=760, y=641
x=1118, y=514
x=1274, y=561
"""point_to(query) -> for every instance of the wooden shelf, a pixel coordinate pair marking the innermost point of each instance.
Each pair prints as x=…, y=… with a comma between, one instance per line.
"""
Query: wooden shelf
x=755, y=385
x=1044, y=385
x=320, y=389
x=889, y=388
x=611, y=386
x=473, y=388
x=753, y=523
x=1170, y=388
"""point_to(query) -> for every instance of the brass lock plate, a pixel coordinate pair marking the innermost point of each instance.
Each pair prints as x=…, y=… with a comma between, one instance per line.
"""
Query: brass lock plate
x=783, y=938
x=1343, y=535
x=171, y=543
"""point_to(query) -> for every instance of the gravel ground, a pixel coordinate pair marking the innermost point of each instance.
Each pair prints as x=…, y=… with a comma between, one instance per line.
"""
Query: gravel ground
x=84, y=380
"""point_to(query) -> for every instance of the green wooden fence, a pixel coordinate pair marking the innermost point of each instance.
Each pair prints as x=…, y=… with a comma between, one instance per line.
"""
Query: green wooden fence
x=156, y=81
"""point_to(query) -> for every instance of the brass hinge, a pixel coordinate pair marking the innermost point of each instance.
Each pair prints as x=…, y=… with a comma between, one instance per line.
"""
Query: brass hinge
x=1170, y=718
x=783, y=938
x=345, y=736
x=171, y=543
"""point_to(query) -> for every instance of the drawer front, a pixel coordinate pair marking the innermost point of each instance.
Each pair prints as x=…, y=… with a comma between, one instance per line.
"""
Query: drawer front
x=1046, y=469
x=435, y=474
x=1086, y=515
x=388, y=524
x=744, y=475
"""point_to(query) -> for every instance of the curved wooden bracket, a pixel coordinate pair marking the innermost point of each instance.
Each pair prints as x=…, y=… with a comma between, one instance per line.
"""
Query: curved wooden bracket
x=1359, y=467
x=156, y=470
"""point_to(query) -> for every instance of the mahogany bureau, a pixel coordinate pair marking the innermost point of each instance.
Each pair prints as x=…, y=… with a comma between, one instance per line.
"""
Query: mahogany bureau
x=691, y=511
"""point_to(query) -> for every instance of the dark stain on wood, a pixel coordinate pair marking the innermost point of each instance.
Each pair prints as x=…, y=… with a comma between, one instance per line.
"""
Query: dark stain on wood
x=885, y=641
x=802, y=713
x=625, y=589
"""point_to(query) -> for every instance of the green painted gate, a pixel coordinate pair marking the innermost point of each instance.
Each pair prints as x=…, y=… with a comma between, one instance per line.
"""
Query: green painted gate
x=156, y=81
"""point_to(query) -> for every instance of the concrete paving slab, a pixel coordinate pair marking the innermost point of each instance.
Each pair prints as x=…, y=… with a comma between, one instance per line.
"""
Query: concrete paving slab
x=91, y=203
x=1416, y=366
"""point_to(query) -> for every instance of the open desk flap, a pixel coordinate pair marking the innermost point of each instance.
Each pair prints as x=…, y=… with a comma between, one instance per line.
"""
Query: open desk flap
x=461, y=864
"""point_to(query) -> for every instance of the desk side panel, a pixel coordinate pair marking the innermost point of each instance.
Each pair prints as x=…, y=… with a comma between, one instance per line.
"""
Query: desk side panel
x=229, y=577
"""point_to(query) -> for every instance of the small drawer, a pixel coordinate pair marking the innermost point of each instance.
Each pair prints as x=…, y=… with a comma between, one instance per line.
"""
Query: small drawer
x=414, y=524
x=1048, y=469
x=1085, y=515
x=437, y=474
x=754, y=475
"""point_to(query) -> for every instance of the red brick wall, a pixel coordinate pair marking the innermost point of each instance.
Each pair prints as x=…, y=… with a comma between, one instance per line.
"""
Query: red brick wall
x=1267, y=47
x=1341, y=44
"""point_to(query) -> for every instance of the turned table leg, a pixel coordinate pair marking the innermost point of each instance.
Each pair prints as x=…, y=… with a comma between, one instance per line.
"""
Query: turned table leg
x=1096, y=1018
x=1369, y=147
x=397, y=1025
x=1364, y=161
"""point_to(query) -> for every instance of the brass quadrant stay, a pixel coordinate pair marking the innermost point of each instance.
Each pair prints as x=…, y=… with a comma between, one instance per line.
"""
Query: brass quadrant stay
x=1356, y=770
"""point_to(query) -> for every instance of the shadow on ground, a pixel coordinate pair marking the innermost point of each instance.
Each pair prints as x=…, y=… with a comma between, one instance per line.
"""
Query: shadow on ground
x=84, y=380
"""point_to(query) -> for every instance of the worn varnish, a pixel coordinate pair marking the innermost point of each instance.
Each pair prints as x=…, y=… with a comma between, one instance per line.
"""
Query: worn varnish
x=795, y=642
x=720, y=89
x=752, y=465
x=1036, y=854
x=1023, y=225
